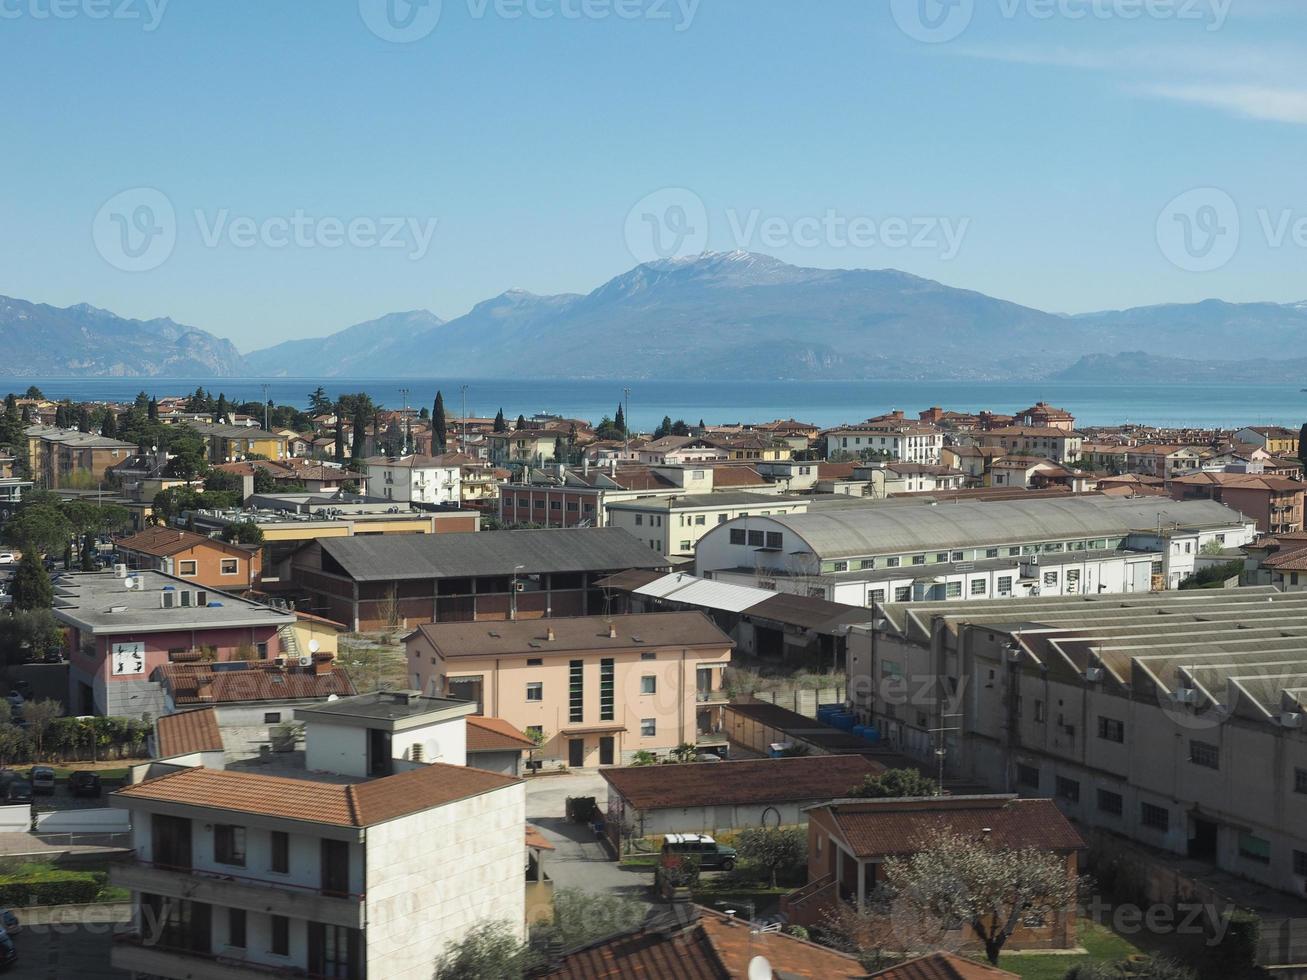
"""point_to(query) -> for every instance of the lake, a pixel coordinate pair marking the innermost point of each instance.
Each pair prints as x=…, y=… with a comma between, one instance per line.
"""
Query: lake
x=822, y=403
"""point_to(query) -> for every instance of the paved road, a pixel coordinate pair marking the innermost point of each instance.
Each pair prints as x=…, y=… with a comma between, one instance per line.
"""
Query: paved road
x=580, y=861
x=77, y=947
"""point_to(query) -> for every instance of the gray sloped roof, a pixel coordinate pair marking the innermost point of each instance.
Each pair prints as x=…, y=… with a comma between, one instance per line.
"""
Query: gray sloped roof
x=875, y=529
x=384, y=558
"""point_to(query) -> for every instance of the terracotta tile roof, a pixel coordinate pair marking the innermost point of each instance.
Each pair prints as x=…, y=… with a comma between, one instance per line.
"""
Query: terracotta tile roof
x=572, y=634
x=1287, y=561
x=494, y=735
x=872, y=828
x=943, y=966
x=736, y=476
x=799, y=779
x=709, y=946
x=537, y=840
x=187, y=732
x=259, y=681
x=355, y=805
x=164, y=541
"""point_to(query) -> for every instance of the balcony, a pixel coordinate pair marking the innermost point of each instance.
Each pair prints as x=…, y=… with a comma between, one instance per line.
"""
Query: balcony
x=712, y=697
x=236, y=891
x=132, y=953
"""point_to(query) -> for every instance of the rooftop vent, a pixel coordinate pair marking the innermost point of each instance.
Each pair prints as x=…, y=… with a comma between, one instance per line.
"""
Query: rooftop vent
x=612, y=631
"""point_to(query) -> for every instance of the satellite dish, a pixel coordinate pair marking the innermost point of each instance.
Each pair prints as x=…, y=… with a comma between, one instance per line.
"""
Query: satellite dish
x=333, y=697
x=760, y=968
x=129, y=583
x=431, y=749
x=314, y=646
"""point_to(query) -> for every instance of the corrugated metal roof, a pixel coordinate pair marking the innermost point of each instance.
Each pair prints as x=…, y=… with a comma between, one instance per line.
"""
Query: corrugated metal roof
x=383, y=558
x=876, y=529
x=704, y=592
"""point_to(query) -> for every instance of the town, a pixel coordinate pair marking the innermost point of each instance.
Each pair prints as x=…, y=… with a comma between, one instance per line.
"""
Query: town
x=338, y=689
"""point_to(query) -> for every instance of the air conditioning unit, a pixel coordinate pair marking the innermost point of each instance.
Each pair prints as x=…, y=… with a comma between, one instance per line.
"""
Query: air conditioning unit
x=120, y=571
x=1184, y=695
x=1094, y=674
x=1291, y=719
x=306, y=660
x=279, y=662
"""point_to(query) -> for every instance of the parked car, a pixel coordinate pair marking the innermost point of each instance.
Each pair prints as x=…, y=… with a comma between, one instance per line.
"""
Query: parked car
x=8, y=921
x=15, y=699
x=701, y=847
x=19, y=791
x=8, y=952
x=7, y=558
x=84, y=783
x=53, y=657
x=42, y=778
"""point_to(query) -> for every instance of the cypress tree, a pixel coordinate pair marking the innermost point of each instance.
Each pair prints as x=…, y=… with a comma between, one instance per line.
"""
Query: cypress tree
x=500, y=424
x=619, y=420
x=340, y=435
x=31, y=585
x=1302, y=444
x=109, y=427
x=521, y=423
x=360, y=432
x=438, y=434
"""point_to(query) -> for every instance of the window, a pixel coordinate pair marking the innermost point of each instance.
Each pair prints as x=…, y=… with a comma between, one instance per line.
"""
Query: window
x=1204, y=754
x=1110, y=802
x=648, y=727
x=1014, y=552
x=839, y=566
x=280, y=942
x=534, y=732
x=1050, y=579
x=1157, y=817
x=902, y=593
x=648, y=655
x=1027, y=776
x=236, y=928
x=576, y=691
x=280, y=848
x=953, y=590
x=639, y=520
x=187, y=568
x=991, y=552
x=1300, y=863
x=876, y=595
x=775, y=540
x=942, y=556
x=1255, y=848
x=867, y=563
x=1111, y=729
x=1004, y=584
x=535, y=661
x=892, y=562
x=722, y=519
x=918, y=559
x=230, y=566
x=699, y=520
x=272, y=717
x=1040, y=711
x=606, y=690
x=535, y=691
x=957, y=556
x=756, y=539
x=737, y=535
x=978, y=586
x=229, y=844
x=685, y=545
x=648, y=684
x=1300, y=780
x=1068, y=789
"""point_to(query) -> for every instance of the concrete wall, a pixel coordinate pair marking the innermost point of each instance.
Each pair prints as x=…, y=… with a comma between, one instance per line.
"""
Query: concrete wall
x=434, y=875
x=335, y=748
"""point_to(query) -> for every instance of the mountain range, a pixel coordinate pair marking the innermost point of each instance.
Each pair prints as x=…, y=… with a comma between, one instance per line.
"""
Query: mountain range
x=736, y=315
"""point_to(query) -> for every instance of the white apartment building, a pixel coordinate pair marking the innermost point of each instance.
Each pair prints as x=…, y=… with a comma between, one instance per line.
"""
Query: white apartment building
x=908, y=442
x=366, y=861
x=1174, y=719
x=875, y=552
x=415, y=479
x=674, y=525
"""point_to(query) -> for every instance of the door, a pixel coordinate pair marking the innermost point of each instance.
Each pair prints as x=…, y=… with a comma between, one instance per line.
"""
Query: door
x=171, y=842
x=606, y=750
x=1202, y=845
x=379, y=753
x=335, y=868
x=576, y=752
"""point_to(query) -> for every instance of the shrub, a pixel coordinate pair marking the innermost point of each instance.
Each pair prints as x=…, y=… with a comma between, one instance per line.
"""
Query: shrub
x=50, y=888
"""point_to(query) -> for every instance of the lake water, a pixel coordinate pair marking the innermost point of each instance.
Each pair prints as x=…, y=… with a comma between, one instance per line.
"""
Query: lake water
x=822, y=403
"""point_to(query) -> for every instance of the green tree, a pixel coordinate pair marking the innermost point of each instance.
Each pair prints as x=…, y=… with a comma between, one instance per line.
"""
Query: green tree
x=500, y=424
x=39, y=529
x=109, y=427
x=39, y=715
x=895, y=783
x=619, y=420
x=664, y=428
x=488, y=951
x=439, y=440
x=360, y=433
x=152, y=411
x=338, y=450
x=773, y=850
x=520, y=424
x=1302, y=444
x=319, y=403
x=89, y=560
x=243, y=532
x=35, y=393
x=680, y=428
x=222, y=409
x=28, y=633
x=31, y=585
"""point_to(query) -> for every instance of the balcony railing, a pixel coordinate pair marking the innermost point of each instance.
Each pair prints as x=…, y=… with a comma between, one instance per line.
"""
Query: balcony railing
x=132, y=951
x=243, y=880
x=712, y=697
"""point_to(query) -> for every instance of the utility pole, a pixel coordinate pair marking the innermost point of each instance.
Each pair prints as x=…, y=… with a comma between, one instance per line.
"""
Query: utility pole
x=404, y=393
x=463, y=447
x=265, y=409
x=512, y=597
x=626, y=422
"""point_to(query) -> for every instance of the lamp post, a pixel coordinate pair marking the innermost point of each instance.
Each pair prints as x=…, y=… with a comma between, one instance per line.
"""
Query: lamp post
x=626, y=422
x=512, y=596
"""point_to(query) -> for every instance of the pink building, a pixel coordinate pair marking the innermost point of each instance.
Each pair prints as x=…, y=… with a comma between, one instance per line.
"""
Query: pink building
x=122, y=628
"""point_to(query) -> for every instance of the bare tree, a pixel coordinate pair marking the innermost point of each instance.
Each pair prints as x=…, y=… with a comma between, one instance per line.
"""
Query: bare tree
x=39, y=715
x=969, y=881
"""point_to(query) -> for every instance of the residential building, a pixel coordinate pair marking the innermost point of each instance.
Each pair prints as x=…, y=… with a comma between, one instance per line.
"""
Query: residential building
x=65, y=457
x=203, y=561
x=850, y=840
x=237, y=874
x=752, y=447
x=593, y=690
x=679, y=451
x=1274, y=502
x=895, y=438
x=232, y=443
x=975, y=462
x=1167, y=462
x=1037, y=474
x=942, y=966
x=371, y=582
x=691, y=941
x=725, y=796
x=12, y=491
x=869, y=553
x=122, y=628
x=1041, y=442
x=886, y=479
x=1042, y=415
x=496, y=746
x=1176, y=720
x=673, y=525
x=417, y=480
x=1275, y=439
x=524, y=447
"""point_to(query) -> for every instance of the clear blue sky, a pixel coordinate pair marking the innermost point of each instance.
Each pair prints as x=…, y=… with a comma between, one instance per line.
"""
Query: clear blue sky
x=1058, y=140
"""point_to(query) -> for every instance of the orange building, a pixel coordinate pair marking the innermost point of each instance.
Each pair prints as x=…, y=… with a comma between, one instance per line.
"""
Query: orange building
x=210, y=562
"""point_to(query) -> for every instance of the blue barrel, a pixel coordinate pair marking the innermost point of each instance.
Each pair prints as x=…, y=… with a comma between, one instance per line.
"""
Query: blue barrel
x=871, y=733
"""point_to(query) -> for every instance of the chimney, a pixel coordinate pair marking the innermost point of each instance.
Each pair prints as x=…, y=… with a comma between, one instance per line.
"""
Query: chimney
x=321, y=666
x=549, y=634
x=204, y=691
x=612, y=631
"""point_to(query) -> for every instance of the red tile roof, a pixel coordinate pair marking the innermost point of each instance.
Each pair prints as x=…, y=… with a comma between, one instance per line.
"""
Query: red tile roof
x=259, y=681
x=494, y=735
x=874, y=828
x=942, y=966
x=187, y=732
x=355, y=805
x=164, y=541
x=749, y=781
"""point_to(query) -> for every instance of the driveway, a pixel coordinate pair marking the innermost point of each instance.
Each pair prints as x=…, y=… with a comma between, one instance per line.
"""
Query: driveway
x=76, y=947
x=580, y=861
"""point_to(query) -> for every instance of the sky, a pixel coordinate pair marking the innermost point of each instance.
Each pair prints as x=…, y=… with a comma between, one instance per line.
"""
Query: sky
x=273, y=169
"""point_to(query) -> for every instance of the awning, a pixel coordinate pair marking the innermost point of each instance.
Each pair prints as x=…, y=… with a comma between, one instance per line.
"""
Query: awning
x=594, y=729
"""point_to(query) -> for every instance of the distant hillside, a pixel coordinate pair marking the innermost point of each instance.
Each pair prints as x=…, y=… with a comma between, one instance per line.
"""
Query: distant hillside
x=344, y=353
x=1136, y=367
x=82, y=341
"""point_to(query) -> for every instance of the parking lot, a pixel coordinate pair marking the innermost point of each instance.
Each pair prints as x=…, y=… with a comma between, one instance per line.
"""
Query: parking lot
x=78, y=946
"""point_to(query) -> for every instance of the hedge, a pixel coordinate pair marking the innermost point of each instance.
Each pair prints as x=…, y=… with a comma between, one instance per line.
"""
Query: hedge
x=50, y=888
